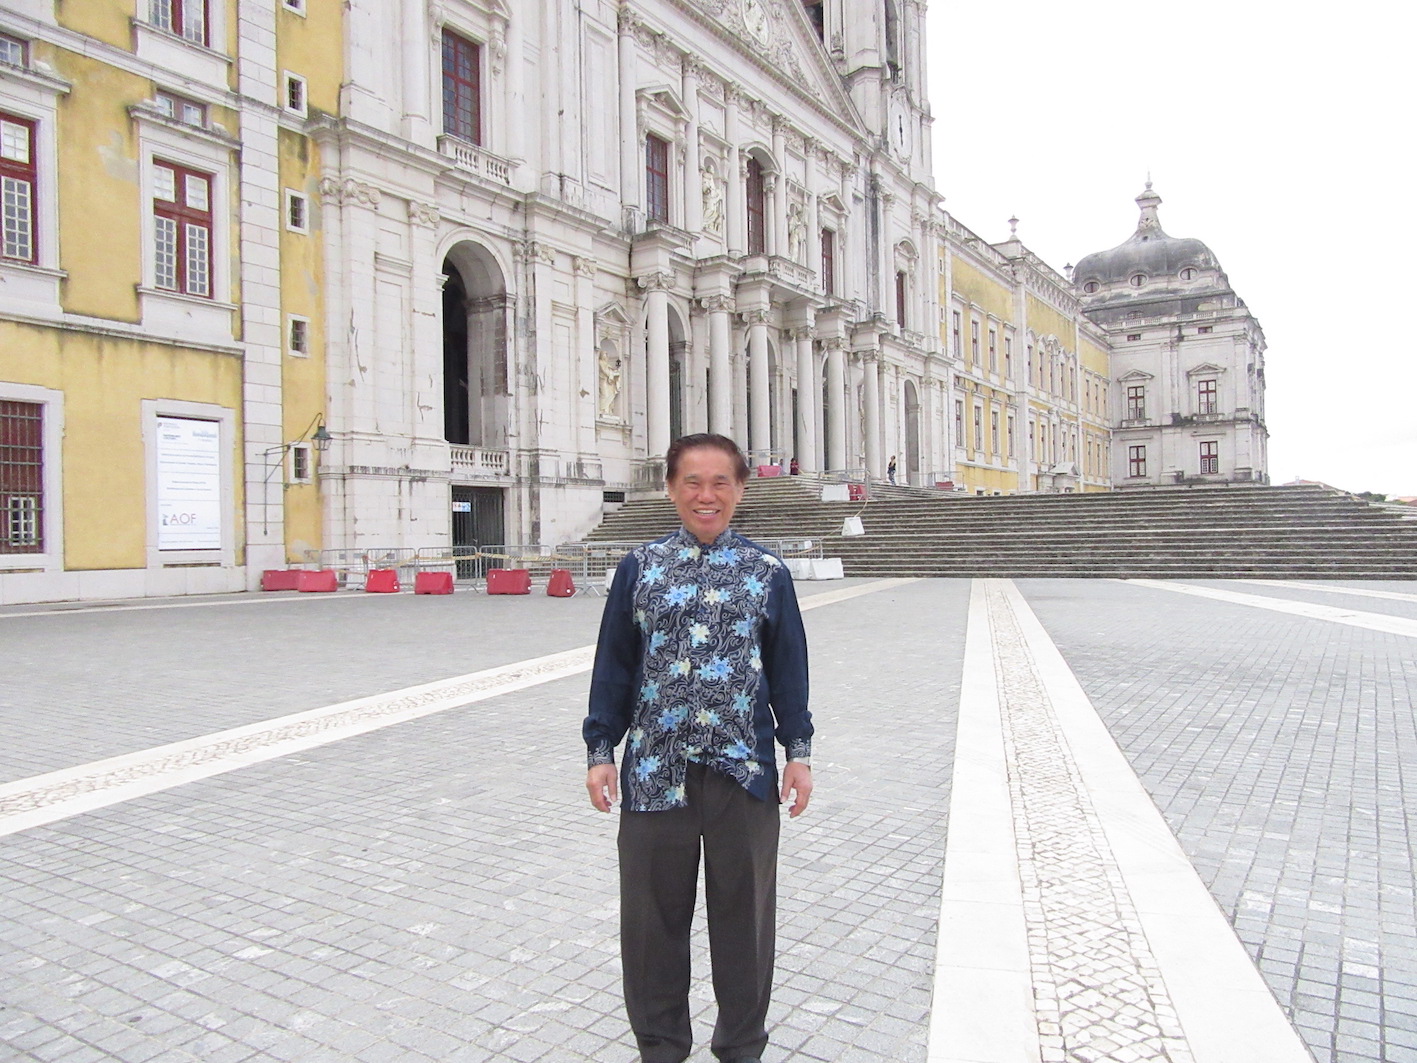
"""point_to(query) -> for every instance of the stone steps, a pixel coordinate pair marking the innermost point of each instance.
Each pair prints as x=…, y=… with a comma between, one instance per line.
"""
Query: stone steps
x=1240, y=531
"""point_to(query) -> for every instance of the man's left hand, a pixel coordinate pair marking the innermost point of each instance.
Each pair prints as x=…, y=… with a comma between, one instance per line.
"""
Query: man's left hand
x=797, y=780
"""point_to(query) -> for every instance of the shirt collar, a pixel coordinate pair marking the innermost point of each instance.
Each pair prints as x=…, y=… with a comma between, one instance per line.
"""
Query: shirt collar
x=725, y=539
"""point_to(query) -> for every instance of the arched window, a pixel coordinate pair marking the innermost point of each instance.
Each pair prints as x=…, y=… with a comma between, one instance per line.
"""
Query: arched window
x=757, y=213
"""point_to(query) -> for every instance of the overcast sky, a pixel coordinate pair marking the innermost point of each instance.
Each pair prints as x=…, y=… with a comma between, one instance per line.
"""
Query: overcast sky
x=1280, y=136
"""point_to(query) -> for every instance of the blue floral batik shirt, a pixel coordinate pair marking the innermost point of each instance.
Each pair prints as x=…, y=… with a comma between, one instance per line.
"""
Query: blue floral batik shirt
x=701, y=657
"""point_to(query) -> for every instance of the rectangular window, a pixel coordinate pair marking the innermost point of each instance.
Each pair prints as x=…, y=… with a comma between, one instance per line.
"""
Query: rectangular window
x=757, y=215
x=829, y=261
x=1206, y=400
x=1011, y=436
x=1205, y=329
x=1210, y=459
x=21, y=477
x=462, y=88
x=994, y=432
x=900, y=298
x=295, y=93
x=300, y=463
x=18, y=181
x=299, y=340
x=978, y=428
x=1133, y=337
x=974, y=342
x=186, y=18
x=1136, y=461
x=297, y=212
x=959, y=422
x=181, y=109
x=993, y=351
x=182, y=228
x=657, y=178
x=1009, y=357
x=297, y=6
x=1136, y=403
x=12, y=51
x=958, y=341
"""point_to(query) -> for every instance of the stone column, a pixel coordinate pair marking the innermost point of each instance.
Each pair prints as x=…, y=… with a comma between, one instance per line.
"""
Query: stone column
x=836, y=403
x=693, y=195
x=657, y=364
x=416, y=110
x=871, y=398
x=733, y=177
x=720, y=365
x=516, y=102
x=777, y=225
x=760, y=415
x=809, y=401
x=629, y=125
x=773, y=184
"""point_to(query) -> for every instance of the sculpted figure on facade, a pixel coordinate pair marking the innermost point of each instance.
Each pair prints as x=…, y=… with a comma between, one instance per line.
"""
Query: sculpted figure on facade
x=796, y=230
x=610, y=374
x=713, y=199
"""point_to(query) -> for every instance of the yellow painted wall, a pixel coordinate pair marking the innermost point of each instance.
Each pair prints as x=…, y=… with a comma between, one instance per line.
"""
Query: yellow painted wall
x=1045, y=319
x=108, y=22
x=104, y=381
x=99, y=190
x=312, y=46
x=302, y=288
x=978, y=287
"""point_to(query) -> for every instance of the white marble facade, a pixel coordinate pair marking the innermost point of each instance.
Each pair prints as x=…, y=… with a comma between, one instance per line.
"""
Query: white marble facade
x=606, y=298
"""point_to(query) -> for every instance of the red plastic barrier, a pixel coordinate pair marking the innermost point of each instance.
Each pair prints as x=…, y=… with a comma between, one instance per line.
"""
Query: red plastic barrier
x=433, y=583
x=769, y=470
x=382, y=581
x=280, y=579
x=856, y=492
x=560, y=585
x=317, y=580
x=508, y=581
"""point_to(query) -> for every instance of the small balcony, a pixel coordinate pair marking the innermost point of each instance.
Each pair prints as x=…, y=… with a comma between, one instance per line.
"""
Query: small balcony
x=469, y=156
x=477, y=463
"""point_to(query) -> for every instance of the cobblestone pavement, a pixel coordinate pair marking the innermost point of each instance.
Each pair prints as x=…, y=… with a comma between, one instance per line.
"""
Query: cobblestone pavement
x=440, y=890
x=1282, y=752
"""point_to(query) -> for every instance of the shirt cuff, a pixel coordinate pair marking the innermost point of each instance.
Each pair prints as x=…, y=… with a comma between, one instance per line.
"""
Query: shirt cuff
x=799, y=747
x=601, y=753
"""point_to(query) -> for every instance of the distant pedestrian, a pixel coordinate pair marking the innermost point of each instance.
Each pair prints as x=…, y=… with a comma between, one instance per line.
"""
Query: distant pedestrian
x=794, y=469
x=890, y=470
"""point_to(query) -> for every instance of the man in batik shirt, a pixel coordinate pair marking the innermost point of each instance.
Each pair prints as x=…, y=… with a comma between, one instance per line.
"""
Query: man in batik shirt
x=702, y=662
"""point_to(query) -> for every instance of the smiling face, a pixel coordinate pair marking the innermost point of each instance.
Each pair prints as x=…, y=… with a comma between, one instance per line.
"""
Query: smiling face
x=705, y=490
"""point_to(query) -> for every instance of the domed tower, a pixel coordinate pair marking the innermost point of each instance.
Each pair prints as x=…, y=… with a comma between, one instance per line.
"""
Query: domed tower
x=1187, y=361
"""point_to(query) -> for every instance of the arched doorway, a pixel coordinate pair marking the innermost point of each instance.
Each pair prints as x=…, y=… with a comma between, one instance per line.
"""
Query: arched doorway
x=912, y=433
x=476, y=381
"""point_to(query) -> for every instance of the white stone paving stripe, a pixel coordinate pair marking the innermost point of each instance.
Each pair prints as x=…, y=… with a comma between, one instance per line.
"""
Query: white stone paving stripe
x=1333, y=588
x=48, y=798
x=1392, y=625
x=996, y=915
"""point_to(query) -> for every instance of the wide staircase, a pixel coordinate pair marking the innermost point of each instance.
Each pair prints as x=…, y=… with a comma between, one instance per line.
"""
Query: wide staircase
x=1237, y=531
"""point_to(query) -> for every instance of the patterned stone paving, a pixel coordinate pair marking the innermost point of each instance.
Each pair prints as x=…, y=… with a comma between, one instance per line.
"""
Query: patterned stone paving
x=1098, y=993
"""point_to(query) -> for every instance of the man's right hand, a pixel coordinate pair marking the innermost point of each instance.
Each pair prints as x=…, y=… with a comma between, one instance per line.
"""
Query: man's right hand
x=603, y=784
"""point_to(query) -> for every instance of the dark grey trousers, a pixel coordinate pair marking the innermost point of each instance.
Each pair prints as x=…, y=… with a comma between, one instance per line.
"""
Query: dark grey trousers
x=659, y=865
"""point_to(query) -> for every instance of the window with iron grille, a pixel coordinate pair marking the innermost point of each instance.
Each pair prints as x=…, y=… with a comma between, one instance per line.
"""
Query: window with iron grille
x=1136, y=461
x=462, y=88
x=18, y=182
x=21, y=477
x=182, y=229
x=1210, y=458
x=657, y=178
x=757, y=216
x=1136, y=403
x=1206, y=400
x=185, y=18
x=829, y=261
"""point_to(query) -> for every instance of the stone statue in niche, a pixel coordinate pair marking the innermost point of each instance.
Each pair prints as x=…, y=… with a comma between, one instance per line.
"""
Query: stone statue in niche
x=796, y=231
x=713, y=199
x=610, y=373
